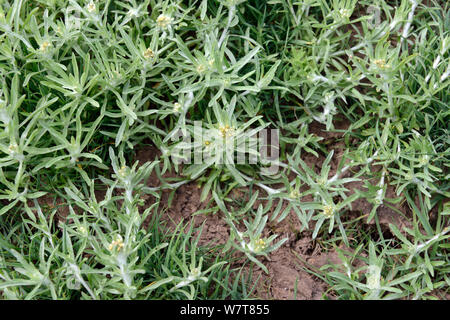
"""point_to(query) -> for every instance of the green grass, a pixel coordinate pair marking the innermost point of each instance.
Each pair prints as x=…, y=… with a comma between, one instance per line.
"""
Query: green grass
x=84, y=84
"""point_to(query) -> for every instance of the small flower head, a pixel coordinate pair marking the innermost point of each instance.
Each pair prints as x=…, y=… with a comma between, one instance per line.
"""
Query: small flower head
x=381, y=64
x=201, y=68
x=260, y=245
x=176, y=107
x=321, y=181
x=163, y=21
x=44, y=46
x=83, y=230
x=195, y=272
x=226, y=131
x=91, y=6
x=149, y=54
x=118, y=244
x=255, y=246
x=294, y=194
x=328, y=211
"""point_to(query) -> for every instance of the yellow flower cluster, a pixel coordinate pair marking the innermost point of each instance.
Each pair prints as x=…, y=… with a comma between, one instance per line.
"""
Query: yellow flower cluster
x=328, y=211
x=226, y=131
x=176, y=107
x=148, y=54
x=381, y=64
x=116, y=243
x=163, y=21
x=91, y=6
x=294, y=194
x=44, y=46
x=260, y=245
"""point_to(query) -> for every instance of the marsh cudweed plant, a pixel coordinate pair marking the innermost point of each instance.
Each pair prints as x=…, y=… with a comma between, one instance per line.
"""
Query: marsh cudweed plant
x=334, y=113
x=226, y=145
